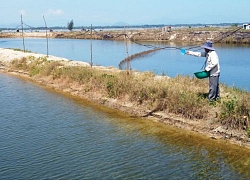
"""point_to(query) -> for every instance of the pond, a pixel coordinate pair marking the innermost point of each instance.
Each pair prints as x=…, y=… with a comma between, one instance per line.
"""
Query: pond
x=47, y=135
x=234, y=59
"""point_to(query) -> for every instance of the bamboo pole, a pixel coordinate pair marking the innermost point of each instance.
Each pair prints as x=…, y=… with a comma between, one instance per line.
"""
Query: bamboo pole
x=127, y=59
x=91, y=63
x=22, y=33
x=46, y=36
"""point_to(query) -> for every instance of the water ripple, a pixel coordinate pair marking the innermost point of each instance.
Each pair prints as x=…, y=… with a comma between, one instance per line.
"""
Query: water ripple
x=48, y=136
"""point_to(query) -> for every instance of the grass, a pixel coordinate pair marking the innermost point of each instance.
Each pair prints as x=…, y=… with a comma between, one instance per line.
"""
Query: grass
x=184, y=96
x=17, y=49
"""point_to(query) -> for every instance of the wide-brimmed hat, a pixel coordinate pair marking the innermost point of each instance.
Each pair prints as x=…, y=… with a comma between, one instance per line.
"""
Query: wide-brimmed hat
x=208, y=45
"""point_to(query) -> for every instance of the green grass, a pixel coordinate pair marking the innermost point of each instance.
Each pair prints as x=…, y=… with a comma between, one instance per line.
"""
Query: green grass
x=17, y=49
x=184, y=96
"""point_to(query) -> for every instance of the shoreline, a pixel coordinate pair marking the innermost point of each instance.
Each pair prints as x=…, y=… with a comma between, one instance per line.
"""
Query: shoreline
x=214, y=132
x=230, y=35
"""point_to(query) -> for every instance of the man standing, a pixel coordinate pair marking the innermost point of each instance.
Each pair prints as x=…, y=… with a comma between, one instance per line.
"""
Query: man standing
x=212, y=66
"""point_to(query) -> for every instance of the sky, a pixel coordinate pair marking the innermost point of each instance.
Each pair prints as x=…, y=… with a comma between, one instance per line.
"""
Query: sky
x=131, y=12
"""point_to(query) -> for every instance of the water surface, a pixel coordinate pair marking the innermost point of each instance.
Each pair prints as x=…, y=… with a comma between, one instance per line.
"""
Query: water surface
x=234, y=59
x=46, y=135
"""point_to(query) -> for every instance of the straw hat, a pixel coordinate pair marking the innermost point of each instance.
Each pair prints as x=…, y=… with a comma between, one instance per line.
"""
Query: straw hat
x=208, y=45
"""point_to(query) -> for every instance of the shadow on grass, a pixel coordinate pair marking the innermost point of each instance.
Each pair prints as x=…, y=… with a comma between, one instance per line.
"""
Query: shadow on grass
x=203, y=95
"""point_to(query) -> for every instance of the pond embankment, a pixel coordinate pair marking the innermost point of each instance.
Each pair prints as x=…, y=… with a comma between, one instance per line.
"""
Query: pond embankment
x=179, y=101
x=216, y=34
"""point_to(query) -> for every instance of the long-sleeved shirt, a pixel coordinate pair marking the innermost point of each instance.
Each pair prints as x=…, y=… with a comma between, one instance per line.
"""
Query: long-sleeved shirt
x=212, y=61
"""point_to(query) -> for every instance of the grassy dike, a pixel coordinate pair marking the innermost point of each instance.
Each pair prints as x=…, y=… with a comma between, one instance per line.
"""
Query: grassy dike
x=230, y=35
x=180, y=101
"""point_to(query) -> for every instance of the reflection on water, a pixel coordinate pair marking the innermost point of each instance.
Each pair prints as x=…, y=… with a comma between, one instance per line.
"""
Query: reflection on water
x=45, y=135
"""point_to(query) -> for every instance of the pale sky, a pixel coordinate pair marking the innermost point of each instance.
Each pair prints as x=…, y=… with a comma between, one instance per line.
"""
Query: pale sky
x=132, y=12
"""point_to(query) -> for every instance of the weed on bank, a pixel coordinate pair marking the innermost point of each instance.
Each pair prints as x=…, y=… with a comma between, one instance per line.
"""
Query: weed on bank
x=182, y=95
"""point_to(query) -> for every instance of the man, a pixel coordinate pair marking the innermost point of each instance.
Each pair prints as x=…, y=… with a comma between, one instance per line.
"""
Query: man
x=212, y=66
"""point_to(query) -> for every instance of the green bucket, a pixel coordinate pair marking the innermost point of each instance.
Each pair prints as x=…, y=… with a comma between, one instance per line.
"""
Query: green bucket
x=202, y=74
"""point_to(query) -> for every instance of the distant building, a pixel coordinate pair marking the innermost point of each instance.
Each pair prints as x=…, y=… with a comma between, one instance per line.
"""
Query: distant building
x=166, y=29
x=246, y=26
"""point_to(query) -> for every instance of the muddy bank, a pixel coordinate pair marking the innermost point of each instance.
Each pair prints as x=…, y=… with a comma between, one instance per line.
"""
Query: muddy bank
x=234, y=35
x=213, y=130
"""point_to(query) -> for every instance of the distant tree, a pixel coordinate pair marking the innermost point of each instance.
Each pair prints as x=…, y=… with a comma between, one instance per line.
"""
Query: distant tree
x=71, y=25
x=234, y=25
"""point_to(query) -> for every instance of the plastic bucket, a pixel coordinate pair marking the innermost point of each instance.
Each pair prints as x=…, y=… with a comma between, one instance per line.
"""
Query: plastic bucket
x=202, y=74
x=183, y=51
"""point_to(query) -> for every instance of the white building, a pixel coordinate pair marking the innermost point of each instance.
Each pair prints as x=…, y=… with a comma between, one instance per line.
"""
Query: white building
x=246, y=26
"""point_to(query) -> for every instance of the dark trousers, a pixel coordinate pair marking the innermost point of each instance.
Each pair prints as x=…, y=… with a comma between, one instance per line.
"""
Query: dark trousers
x=214, y=89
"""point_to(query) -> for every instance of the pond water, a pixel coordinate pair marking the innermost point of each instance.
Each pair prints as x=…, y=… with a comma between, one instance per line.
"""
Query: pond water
x=46, y=135
x=234, y=59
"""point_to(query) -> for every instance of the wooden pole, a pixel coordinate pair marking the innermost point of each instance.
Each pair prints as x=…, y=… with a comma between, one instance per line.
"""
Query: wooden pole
x=22, y=33
x=46, y=36
x=91, y=63
x=127, y=61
